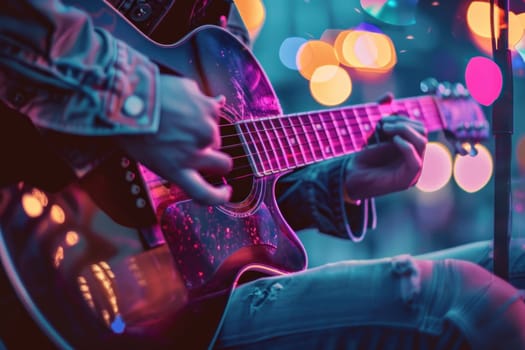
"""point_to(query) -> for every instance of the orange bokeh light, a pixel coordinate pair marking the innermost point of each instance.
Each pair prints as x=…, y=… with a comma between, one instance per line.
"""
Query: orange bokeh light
x=330, y=85
x=478, y=20
x=365, y=50
x=253, y=14
x=314, y=54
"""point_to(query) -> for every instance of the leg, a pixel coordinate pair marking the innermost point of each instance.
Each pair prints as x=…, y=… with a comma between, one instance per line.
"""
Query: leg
x=481, y=253
x=398, y=303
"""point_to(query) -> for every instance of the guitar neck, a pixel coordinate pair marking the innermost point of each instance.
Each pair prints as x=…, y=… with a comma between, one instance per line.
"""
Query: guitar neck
x=277, y=144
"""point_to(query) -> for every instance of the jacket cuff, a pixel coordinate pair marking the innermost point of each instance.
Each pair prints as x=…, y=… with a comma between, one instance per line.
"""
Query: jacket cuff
x=132, y=103
x=313, y=197
x=352, y=219
x=116, y=94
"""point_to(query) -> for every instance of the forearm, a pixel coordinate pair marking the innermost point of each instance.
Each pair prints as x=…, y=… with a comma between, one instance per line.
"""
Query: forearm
x=69, y=76
x=314, y=197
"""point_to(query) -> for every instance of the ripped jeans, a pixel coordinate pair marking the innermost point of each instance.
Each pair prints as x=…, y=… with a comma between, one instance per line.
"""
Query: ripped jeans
x=430, y=302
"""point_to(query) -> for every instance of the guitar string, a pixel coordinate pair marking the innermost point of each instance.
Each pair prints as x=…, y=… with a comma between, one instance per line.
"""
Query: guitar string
x=312, y=151
x=331, y=121
x=320, y=132
x=306, y=161
x=351, y=122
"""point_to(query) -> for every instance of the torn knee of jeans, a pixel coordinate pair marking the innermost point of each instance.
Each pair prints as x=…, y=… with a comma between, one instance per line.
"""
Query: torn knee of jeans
x=260, y=296
x=405, y=268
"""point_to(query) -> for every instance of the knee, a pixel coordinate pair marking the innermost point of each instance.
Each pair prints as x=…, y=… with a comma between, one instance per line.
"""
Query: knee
x=488, y=308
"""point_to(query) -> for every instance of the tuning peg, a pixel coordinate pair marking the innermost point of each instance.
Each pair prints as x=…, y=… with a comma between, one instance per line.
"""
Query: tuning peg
x=444, y=89
x=459, y=90
x=473, y=150
x=429, y=85
x=462, y=148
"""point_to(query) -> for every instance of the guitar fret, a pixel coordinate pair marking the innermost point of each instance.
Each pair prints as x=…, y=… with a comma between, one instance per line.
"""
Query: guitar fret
x=327, y=143
x=277, y=146
x=271, y=157
x=255, y=149
x=360, y=143
x=431, y=115
x=333, y=134
x=304, y=140
x=284, y=142
x=344, y=133
x=369, y=125
x=293, y=141
x=316, y=145
x=368, y=128
x=375, y=114
x=349, y=127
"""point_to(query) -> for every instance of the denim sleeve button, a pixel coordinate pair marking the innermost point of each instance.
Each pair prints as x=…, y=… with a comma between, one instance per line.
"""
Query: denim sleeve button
x=133, y=106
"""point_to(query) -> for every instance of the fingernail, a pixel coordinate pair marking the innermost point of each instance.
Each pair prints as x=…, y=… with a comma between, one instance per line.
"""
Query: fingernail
x=220, y=99
x=228, y=190
x=388, y=127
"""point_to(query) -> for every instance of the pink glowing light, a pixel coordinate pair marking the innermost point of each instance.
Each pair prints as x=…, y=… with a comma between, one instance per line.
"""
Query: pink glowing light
x=484, y=80
x=437, y=168
x=472, y=173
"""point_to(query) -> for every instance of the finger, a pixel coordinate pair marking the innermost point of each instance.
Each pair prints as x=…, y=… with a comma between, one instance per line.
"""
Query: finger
x=207, y=134
x=396, y=118
x=413, y=159
x=221, y=100
x=191, y=182
x=212, y=161
x=216, y=104
x=377, y=155
x=408, y=133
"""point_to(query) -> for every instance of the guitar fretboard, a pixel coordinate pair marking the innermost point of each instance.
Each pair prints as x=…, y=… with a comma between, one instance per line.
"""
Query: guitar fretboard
x=280, y=143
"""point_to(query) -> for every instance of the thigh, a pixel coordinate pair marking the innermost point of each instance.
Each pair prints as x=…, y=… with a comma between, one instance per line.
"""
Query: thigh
x=404, y=302
x=341, y=305
x=482, y=253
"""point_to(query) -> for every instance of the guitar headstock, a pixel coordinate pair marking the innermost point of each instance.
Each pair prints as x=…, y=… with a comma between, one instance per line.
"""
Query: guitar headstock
x=463, y=119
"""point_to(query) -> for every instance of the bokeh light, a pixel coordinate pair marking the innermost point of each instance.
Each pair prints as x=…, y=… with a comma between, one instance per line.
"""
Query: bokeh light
x=365, y=50
x=396, y=12
x=72, y=238
x=437, y=168
x=32, y=204
x=57, y=214
x=478, y=21
x=288, y=51
x=330, y=85
x=314, y=54
x=472, y=173
x=253, y=14
x=483, y=79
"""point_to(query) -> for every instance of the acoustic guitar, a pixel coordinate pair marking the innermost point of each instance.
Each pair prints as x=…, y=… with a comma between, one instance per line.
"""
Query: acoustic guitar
x=123, y=259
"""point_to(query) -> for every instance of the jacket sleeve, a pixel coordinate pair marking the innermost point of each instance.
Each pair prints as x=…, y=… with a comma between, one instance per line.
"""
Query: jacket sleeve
x=312, y=197
x=69, y=76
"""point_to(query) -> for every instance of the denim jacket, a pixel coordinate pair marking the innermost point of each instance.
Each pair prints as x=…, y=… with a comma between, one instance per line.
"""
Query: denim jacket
x=70, y=77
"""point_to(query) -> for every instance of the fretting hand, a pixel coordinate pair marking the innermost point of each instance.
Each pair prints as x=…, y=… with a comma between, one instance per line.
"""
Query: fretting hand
x=388, y=166
x=186, y=142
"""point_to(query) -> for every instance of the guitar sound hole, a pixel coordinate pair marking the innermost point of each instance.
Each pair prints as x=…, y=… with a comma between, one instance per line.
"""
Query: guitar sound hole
x=241, y=176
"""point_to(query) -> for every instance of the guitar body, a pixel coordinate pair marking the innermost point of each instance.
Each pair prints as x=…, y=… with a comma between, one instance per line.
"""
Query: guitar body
x=111, y=261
